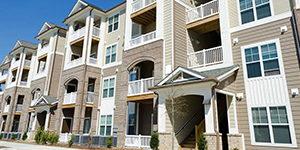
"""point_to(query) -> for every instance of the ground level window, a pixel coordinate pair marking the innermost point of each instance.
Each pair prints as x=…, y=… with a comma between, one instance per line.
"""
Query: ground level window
x=271, y=125
x=105, y=125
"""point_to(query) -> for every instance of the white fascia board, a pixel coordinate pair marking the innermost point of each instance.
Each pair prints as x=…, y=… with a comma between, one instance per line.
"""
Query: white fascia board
x=227, y=74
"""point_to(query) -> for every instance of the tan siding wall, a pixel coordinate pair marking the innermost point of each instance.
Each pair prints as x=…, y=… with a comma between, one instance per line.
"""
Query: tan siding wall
x=254, y=35
x=168, y=32
x=61, y=43
x=233, y=13
x=281, y=6
x=180, y=36
x=56, y=75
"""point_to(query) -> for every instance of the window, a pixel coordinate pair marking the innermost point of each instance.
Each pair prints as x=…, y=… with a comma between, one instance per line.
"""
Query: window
x=249, y=8
x=273, y=129
x=86, y=126
x=109, y=88
x=111, y=53
x=262, y=60
x=105, y=125
x=113, y=23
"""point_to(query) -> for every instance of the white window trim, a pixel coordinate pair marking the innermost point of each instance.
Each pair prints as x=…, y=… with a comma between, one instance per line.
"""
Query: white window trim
x=254, y=12
x=108, y=98
x=89, y=126
x=291, y=127
x=113, y=23
x=105, y=125
x=111, y=63
x=62, y=119
x=279, y=57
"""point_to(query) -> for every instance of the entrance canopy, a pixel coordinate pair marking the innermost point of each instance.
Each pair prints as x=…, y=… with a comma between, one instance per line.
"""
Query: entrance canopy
x=45, y=101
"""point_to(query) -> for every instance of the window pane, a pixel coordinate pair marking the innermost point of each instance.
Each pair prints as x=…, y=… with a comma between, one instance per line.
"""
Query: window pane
x=114, y=49
x=244, y=4
x=116, y=18
x=252, y=54
x=247, y=16
x=110, y=20
x=108, y=51
x=274, y=115
x=102, y=130
x=269, y=51
x=254, y=70
x=263, y=11
x=112, y=82
x=271, y=67
x=262, y=134
x=281, y=134
x=109, y=118
x=102, y=120
x=116, y=26
x=106, y=83
x=282, y=115
x=108, y=130
x=113, y=57
x=111, y=92
x=110, y=28
x=105, y=93
x=107, y=59
x=257, y=2
x=255, y=115
x=263, y=115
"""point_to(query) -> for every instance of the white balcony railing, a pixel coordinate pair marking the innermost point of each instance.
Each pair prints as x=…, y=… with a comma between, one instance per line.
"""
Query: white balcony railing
x=23, y=83
x=140, y=86
x=6, y=108
x=137, y=141
x=74, y=63
x=70, y=98
x=27, y=63
x=65, y=137
x=3, y=77
x=15, y=64
x=19, y=108
x=77, y=34
x=143, y=38
x=202, y=11
x=93, y=61
x=140, y=4
x=44, y=50
x=96, y=32
x=205, y=57
x=40, y=74
x=90, y=97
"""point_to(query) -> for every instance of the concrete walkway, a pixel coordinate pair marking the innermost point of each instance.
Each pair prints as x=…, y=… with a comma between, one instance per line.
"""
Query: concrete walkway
x=21, y=146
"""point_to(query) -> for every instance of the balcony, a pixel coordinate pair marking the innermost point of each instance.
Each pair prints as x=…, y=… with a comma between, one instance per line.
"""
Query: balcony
x=90, y=97
x=203, y=11
x=205, y=57
x=27, y=63
x=140, y=87
x=137, y=141
x=23, y=83
x=96, y=33
x=74, y=63
x=6, y=108
x=40, y=74
x=142, y=9
x=16, y=64
x=19, y=108
x=143, y=39
x=77, y=34
x=3, y=77
x=93, y=61
x=44, y=50
x=70, y=98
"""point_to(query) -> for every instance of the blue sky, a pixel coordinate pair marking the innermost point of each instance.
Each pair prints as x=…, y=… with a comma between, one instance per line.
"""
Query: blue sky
x=22, y=19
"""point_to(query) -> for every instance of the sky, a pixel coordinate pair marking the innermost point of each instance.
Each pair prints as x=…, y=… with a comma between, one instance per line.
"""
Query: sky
x=22, y=19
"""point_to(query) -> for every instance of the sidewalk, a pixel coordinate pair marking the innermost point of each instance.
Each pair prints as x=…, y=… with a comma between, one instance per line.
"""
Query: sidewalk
x=21, y=146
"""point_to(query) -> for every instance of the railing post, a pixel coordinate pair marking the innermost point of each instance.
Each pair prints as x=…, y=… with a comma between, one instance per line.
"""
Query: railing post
x=202, y=12
x=204, y=57
x=139, y=141
x=142, y=85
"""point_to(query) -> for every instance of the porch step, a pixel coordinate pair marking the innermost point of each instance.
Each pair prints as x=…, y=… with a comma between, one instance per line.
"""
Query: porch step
x=187, y=149
x=189, y=143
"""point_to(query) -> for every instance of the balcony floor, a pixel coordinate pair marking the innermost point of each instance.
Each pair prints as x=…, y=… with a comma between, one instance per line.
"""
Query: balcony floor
x=140, y=97
x=205, y=25
x=145, y=15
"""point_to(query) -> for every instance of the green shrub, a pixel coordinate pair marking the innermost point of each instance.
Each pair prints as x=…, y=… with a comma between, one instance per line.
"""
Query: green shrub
x=201, y=142
x=13, y=136
x=236, y=148
x=45, y=137
x=89, y=141
x=71, y=141
x=1, y=136
x=53, y=137
x=109, y=142
x=39, y=134
x=154, y=141
x=24, y=137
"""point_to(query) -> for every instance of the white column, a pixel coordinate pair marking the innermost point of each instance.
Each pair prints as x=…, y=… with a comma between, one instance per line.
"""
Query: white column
x=159, y=19
x=128, y=25
x=34, y=121
x=137, y=118
x=162, y=114
x=101, y=45
x=86, y=41
x=209, y=117
x=68, y=47
x=90, y=40
x=47, y=119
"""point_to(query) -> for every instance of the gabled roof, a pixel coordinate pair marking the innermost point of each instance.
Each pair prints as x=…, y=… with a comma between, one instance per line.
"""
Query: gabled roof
x=7, y=59
x=21, y=43
x=182, y=75
x=48, y=26
x=78, y=6
x=45, y=100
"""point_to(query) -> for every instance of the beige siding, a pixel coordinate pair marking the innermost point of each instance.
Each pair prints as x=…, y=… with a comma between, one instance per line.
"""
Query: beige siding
x=233, y=13
x=61, y=42
x=168, y=32
x=180, y=57
x=282, y=6
x=289, y=55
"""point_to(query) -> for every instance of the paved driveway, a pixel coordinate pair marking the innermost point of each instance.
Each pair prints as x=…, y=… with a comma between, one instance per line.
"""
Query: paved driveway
x=21, y=146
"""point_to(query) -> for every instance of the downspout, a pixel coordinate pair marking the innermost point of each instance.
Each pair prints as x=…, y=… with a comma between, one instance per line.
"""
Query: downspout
x=296, y=30
x=52, y=65
x=84, y=71
x=215, y=114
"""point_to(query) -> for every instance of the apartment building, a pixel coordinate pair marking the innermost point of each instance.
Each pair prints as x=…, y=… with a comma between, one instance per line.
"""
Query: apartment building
x=228, y=69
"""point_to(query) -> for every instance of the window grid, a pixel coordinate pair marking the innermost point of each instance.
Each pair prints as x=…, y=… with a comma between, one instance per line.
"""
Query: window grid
x=113, y=23
x=111, y=54
x=108, y=88
x=248, y=5
x=106, y=125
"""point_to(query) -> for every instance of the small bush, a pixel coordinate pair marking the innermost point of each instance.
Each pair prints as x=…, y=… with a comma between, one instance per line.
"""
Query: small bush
x=24, y=137
x=236, y=148
x=13, y=136
x=89, y=141
x=53, y=137
x=109, y=142
x=1, y=136
x=201, y=142
x=154, y=141
x=45, y=137
x=39, y=134
x=71, y=141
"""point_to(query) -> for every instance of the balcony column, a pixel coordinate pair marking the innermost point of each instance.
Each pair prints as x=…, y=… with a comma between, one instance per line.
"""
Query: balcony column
x=34, y=121
x=225, y=33
x=87, y=39
x=208, y=111
x=47, y=119
x=68, y=47
x=159, y=19
x=90, y=38
x=20, y=67
x=101, y=44
x=128, y=25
